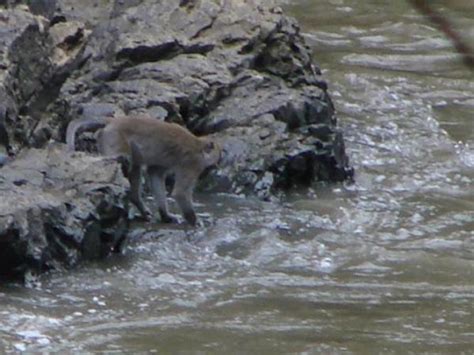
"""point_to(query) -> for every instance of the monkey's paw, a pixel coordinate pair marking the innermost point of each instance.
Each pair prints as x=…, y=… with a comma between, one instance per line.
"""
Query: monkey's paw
x=145, y=216
x=169, y=219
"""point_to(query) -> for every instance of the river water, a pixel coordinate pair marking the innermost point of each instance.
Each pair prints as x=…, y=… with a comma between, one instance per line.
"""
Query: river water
x=385, y=265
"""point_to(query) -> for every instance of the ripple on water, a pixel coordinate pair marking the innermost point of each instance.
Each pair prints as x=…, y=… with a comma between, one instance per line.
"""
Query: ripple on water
x=383, y=265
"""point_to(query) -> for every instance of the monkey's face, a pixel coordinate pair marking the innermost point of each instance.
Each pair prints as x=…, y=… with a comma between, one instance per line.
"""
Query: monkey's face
x=212, y=153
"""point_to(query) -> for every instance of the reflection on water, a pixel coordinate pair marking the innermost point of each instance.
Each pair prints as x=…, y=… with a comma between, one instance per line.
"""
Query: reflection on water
x=382, y=266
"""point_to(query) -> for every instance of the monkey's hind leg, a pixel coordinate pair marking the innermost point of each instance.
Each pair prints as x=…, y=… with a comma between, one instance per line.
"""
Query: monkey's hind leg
x=158, y=179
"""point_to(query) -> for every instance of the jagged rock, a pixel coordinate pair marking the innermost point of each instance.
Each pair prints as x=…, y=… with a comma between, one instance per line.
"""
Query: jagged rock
x=3, y=159
x=45, y=8
x=15, y=26
x=35, y=59
x=239, y=70
x=56, y=210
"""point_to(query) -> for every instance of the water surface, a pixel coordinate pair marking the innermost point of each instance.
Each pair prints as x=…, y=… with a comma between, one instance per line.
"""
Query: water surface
x=385, y=265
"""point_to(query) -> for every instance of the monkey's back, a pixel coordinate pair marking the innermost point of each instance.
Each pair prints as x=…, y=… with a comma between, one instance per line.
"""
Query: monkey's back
x=160, y=143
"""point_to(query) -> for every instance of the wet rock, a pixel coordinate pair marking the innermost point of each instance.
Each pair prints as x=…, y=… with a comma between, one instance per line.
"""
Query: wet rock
x=238, y=70
x=4, y=138
x=35, y=59
x=57, y=209
x=3, y=159
x=89, y=12
x=15, y=25
x=46, y=8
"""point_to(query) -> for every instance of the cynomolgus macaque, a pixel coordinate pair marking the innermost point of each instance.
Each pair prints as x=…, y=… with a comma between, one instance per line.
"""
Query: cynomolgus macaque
x=163, y=148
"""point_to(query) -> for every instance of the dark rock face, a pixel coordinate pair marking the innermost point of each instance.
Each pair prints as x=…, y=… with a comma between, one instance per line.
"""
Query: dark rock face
x=35, y=58
x=57, y=209
x=237, y=70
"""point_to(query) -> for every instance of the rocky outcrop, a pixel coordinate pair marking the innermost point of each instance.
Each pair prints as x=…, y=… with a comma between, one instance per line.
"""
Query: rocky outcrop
x=36, y=56
x=57, y=209
x=236, y=69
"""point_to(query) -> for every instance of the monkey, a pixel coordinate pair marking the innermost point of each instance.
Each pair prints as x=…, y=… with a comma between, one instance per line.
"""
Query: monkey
x=161, y=147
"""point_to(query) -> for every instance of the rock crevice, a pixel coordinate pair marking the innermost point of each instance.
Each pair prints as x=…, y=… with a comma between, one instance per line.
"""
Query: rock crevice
x=239, y=70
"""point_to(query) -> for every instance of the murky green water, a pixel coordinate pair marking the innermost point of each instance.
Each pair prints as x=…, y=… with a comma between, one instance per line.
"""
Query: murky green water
x=382, y=266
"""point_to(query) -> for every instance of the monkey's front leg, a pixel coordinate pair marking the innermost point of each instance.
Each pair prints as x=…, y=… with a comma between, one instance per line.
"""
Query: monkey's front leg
x=183, y=193
x=135, y=178
x=187, y=208
x=158, y=178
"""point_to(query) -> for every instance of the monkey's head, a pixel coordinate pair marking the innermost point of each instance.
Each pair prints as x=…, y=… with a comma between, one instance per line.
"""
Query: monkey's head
x=211, y=153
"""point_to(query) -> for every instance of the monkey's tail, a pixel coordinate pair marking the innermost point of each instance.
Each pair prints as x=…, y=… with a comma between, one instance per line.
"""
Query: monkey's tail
x=82, y=125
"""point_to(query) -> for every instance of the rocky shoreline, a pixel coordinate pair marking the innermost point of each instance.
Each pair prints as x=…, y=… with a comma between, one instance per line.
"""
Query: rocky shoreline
x=239, y=70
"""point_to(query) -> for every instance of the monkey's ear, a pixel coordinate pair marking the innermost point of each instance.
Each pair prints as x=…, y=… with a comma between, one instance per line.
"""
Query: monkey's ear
x=210, y=146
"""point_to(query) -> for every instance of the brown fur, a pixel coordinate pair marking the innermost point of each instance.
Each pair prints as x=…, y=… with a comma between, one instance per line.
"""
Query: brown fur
x=163, y=148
